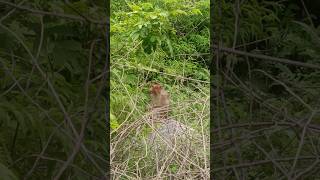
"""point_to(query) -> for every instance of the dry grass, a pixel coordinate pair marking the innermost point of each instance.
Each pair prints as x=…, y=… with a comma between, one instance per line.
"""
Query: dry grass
x=181, y=154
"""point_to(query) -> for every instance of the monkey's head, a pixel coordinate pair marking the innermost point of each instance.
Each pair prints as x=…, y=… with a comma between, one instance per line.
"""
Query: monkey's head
x=155, y=89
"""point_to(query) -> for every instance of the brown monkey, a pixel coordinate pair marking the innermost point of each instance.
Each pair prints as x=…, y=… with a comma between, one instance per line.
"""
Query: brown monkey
x=159, y=102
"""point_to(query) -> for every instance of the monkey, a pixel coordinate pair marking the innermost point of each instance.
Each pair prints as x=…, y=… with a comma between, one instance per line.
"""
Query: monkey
x=169, y=128
x=160, y=102
x=159, y=96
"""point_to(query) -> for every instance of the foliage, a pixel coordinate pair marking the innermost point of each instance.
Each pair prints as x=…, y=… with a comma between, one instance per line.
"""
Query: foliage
x=44, y=62
x=157, y=41
x=261, y=103
x=147, y=37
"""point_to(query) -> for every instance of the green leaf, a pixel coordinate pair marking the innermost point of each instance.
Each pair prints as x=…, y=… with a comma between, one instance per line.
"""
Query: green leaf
x=134, y=7
x=196, y=11
x=113, y=122
x=178, y=12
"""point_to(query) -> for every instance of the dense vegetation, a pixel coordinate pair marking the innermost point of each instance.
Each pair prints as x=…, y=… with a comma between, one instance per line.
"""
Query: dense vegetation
x=166, y=42
x=157, y=42
x=266, y=120
x=53, y=73
x=52, y=64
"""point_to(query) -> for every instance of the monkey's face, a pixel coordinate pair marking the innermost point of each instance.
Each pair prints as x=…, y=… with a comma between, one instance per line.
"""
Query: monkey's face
x=155, y=89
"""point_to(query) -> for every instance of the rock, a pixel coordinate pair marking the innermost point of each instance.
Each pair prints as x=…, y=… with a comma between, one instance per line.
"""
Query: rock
x=171, y=134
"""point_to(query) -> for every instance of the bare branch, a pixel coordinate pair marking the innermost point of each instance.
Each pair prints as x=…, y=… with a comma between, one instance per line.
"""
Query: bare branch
x=54, y=14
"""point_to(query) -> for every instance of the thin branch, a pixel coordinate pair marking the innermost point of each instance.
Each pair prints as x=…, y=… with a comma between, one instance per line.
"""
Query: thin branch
x=268, y=58
x=11, y=11
x=38, y=51
x=42, y=151
x=313, y=113
x=286, y=87
x=310, y=168
x=34, y=61
x=263, y=162
x=152, y=70
x=271, y=158
x=265, y=124
x=67, y=16
x=85, y=119
x=307, y=12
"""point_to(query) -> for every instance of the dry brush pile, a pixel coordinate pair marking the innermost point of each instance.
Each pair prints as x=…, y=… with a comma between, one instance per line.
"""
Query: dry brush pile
x=177, y=148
